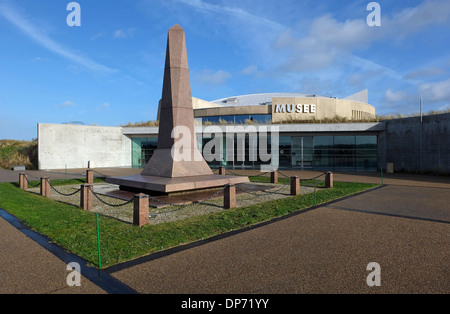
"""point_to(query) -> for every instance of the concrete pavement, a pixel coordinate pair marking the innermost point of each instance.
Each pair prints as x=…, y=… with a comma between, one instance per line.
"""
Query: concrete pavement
x=325, y=250
x=404, y=228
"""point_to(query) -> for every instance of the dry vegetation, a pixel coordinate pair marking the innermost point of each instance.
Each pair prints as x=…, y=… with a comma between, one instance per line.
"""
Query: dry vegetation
x=14, y=153
x=141, y=124
x=335, y=119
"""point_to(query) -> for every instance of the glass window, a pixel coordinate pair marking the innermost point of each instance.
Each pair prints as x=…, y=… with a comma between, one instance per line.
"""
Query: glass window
x=240, y=119
x=142, y=150
x=323, y=152
x=227, y=119
x=261, y=118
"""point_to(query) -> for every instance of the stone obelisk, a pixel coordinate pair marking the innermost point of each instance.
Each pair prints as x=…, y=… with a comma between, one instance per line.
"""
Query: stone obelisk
x=176, y=111
x=185, y=169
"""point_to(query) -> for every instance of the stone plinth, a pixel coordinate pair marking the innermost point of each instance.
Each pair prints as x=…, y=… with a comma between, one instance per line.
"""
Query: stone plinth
x=45, y=187
x=141, y=210
x=229, y=197
x=173, y=185
x=23, y=183
x=274, y=177
x=295, y=185
x=329, y=180
x=86, y=197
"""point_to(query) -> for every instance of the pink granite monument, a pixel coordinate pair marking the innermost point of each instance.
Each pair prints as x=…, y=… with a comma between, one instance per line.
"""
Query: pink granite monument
x=176, y=165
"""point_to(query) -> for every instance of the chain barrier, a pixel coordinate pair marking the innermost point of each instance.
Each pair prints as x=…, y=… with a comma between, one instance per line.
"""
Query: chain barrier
x=102, y=174
x=271, y=191
x=247, y=175
x=238, y=186
x=109, y=204
x=190, y=204
x=31, y=184
x=59, y=192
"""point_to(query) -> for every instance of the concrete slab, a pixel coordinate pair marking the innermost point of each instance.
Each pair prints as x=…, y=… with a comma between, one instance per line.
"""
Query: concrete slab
x=171, y=185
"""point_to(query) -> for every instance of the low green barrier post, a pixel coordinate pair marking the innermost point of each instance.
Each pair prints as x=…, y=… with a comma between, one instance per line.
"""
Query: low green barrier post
x=98, y=243
x=315, y=184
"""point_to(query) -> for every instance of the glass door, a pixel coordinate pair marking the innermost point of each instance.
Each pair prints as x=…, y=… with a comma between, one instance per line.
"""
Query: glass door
x=301, y=152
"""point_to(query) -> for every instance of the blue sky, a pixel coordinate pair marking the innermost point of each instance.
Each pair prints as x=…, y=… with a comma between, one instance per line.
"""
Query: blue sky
x=109, y=70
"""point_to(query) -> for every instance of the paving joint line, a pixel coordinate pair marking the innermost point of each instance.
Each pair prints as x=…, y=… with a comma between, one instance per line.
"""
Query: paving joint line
x=386, y=214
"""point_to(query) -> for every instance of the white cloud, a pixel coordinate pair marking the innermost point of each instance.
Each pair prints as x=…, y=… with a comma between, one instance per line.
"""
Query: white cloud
x=413, y=19
x=213, y=78
x=395, y=96
x=104, y=106
x=435, y=91
x=123, y=33
x=235, y=12
x=34, y=33
x=249, y=70
x=445, y=107
x=67, y=104
x=327, y=39
x=425, y=72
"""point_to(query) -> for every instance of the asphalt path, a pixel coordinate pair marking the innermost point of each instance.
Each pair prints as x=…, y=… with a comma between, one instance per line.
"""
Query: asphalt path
x=324, y=250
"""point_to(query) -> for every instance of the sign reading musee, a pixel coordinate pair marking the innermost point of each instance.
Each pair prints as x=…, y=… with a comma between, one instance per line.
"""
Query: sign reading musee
x=299, y=108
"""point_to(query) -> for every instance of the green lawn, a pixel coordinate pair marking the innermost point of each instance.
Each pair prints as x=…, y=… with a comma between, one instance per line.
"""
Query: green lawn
x=75, y=230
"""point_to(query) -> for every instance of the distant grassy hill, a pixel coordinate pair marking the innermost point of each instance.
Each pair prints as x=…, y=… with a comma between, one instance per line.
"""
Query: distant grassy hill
x=15, y=153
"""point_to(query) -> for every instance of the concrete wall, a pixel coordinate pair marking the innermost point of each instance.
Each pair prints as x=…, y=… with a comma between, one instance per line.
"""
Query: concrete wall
x=73, y=146
x=413, y=146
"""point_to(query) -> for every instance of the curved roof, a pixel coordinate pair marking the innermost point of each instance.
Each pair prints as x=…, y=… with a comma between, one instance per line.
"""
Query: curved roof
x=256, y=99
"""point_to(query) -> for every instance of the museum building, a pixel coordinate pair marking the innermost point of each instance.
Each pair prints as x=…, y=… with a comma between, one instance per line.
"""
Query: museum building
x=315, y=132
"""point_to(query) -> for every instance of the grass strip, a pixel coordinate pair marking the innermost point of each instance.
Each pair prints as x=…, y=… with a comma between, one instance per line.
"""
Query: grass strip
x=75, y=230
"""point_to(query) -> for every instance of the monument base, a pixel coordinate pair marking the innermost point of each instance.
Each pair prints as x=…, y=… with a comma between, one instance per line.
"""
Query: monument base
x=174, y=185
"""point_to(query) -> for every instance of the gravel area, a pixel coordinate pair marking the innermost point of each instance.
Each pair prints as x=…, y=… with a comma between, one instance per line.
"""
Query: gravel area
x=170, y=213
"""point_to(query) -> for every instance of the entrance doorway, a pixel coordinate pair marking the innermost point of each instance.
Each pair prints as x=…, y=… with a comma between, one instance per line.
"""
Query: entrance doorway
x=302, y=152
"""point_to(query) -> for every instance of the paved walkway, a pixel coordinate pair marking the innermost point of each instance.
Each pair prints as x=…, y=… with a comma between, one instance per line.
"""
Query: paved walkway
x=404, y=228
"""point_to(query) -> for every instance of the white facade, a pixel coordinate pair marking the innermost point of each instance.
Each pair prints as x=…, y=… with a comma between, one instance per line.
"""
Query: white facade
x=75, y=146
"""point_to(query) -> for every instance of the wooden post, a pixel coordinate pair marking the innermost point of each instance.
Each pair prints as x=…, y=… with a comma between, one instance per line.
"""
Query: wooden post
x=329, y=180
x=23, y=182
x=222, y=171
x=295, y=185
x=86, y=197
x=89, y=177
x=45, y=187
x=274, y=177
x=140, y=210
x=229, y=197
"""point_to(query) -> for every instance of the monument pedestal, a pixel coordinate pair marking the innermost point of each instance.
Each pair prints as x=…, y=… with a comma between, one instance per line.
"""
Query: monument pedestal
x=174, y=185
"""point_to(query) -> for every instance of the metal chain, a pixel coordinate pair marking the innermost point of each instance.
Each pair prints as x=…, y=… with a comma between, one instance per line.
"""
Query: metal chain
x=59, y=192
x=102, y=174
x=265, y=191
x=29, y=183
x=109, y=204
x=255, y=175
x=190, y=204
